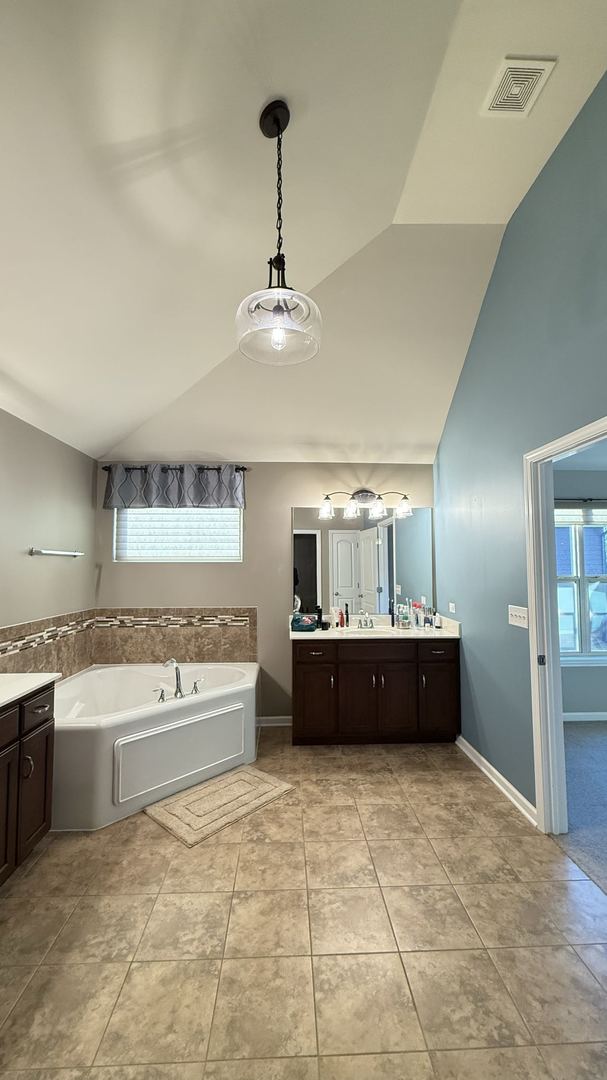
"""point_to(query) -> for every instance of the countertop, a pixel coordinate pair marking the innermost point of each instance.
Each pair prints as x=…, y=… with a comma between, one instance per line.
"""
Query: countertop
x=379, y=633
x=13, y=687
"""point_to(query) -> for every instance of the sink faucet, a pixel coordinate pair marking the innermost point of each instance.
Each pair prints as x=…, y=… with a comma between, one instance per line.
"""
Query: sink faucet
x=364, y=622
x=178, y=687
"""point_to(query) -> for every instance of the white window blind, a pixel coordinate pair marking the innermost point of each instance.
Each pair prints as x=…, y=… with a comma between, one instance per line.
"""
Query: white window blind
x=189, y=534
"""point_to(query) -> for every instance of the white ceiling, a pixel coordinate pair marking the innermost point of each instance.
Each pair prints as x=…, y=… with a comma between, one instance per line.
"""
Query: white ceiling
x=136, y=209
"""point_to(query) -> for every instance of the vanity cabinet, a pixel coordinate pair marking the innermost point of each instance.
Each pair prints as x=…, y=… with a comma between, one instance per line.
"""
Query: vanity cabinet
x=376, y=691
x=26, y=777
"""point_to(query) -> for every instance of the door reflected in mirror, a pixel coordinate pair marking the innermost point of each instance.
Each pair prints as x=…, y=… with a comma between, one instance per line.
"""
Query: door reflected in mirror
x=361, y=563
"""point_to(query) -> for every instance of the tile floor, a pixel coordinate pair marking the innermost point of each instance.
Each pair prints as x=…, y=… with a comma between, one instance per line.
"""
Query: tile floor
x=392, y=917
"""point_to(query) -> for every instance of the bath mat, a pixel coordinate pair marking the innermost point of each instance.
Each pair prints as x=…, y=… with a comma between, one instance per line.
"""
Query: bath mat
x=198, y=812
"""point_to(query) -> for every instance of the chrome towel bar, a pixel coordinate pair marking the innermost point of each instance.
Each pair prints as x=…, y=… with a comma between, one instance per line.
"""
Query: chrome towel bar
x=48, y=551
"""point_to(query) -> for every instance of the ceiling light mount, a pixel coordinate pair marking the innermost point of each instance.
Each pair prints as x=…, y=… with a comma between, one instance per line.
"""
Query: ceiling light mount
x=278, y=325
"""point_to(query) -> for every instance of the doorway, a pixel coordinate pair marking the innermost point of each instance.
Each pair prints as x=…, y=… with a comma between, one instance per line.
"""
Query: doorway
x=566, y=617
x=307, y=574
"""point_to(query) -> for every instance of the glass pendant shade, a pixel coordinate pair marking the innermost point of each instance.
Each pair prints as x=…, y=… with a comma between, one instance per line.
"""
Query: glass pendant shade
x=377, y=510
x=403, y=509
x=326, y=511
x=352, y=508
x=278, y=326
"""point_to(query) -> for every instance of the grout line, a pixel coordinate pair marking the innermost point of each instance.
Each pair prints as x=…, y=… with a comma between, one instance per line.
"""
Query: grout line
x=223, y=957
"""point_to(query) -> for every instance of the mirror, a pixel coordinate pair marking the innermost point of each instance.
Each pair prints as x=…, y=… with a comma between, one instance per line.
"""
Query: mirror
x=361, y=563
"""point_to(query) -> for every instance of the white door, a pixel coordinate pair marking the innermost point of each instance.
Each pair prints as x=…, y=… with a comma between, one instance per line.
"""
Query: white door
x=368, y=569
x=343, y=570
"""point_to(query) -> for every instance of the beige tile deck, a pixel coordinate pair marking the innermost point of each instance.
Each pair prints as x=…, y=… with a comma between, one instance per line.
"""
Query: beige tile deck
x=392, y=917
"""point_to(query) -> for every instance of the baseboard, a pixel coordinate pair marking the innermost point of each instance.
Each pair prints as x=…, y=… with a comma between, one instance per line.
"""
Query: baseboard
x=500, y=781
x=576, y=717
x=274, y=721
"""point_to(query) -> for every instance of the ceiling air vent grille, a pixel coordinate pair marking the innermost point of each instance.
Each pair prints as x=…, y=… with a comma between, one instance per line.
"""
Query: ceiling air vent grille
x=517, y=86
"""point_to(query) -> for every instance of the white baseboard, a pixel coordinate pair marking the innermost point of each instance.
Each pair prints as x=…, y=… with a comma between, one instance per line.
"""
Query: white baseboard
x=500, y=781
x=570, y=717
x=274, y=721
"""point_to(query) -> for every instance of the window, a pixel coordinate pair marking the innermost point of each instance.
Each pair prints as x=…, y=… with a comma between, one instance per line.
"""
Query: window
x=181, y=535
x=581, y=567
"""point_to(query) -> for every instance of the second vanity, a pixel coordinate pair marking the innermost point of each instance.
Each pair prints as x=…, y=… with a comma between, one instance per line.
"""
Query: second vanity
x=379, y=685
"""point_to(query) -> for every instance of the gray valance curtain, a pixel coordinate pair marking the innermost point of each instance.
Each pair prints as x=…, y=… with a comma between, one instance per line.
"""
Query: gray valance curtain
x=140, y=487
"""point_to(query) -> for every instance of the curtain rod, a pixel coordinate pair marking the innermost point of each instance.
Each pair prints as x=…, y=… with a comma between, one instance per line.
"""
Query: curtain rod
x=218, y=468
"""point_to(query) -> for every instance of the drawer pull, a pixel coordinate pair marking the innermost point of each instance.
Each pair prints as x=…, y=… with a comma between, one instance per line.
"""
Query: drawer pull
x=373, y=681
x=424, y=681
x=29, y=762
x=438, y=652
x=316, y=652
x=332, y=681
x=40, y=709
x=383, y=682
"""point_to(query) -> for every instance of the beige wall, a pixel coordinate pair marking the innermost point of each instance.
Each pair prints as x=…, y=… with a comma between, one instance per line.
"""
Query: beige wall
x=46, y=500
x=264, y=579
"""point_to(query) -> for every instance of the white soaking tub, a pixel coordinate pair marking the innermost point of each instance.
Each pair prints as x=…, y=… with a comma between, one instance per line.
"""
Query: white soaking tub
x=117, y=748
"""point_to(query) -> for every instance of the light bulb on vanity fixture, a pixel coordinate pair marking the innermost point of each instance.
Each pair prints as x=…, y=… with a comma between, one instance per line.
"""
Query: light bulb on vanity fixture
x=327, y=510
x=365, y=499
x=278, y=325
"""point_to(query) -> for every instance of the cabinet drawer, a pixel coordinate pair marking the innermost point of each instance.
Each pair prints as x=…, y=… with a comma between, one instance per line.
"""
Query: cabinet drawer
x=37, y=710
x=353, y=651
x=438, y=650
x=9, y=726
x=318, y=652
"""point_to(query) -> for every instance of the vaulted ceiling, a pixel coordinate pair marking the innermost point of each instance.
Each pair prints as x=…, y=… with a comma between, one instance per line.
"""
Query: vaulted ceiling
x=136, y=210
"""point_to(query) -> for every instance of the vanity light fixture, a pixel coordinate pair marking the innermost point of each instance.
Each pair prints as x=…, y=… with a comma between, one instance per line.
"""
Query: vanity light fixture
x=365, y=499
x=278, y=325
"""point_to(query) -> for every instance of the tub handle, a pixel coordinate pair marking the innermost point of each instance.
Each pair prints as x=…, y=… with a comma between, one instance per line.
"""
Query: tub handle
x=29, y=763
x=160, y=690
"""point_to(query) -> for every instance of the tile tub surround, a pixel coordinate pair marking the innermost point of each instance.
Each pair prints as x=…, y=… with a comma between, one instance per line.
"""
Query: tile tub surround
x=72, y=642
x=372, y=950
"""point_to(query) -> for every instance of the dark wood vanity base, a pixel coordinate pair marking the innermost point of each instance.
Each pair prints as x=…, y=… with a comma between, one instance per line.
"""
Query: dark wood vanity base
x=380, y=691
x=27, y=731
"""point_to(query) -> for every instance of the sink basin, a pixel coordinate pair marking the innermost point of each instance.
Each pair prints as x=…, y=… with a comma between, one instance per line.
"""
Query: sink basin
x=370, y=631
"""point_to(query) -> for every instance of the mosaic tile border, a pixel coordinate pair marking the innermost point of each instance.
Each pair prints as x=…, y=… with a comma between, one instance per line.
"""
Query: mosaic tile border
x=120, y=619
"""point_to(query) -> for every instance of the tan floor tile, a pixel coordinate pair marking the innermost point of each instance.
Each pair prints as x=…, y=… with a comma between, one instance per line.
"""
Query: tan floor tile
x=377, y=1067
x=576, y=1062
x=114, y=1072
x=274, y=822
x=339, y=864
x=406, y=862
x=336, y=823
x=163, y=1014
x=60, y=1016
x=363, y=1005
x=350, y=921
x=595, y=957
x=579, y=909
x=140, y=830
x=326, y=791
x=269, y=924
x=45, y=878
x=499, y=822
x=443, y=818
x=186, y=926
x=507, y=915
x=556, y=994
x=134, y=873
x=232, y=834
x=205, y=868
x=388, y=822
x=429, y=917
x=271, y=866
x=511, y=1063
x=377, y=791
x=276, y=1069
x=28, y=927
x=462, y=1002
x=264, y=1008
x=537, y=858
x=13, y=981
x=102, y=928
x=473, y=860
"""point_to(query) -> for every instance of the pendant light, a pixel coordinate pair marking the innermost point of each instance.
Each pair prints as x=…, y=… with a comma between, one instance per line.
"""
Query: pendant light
x=278, y=325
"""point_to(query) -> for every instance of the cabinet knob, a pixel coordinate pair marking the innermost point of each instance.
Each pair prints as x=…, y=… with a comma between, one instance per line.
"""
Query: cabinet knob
x=332, y=681
x=28, y=767
x=383, y=681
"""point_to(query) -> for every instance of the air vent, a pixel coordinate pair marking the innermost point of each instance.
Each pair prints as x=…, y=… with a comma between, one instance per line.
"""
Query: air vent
x=518, y=84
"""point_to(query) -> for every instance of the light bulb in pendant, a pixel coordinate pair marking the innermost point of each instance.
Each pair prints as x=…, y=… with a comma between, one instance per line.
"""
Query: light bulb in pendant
x=279, y=338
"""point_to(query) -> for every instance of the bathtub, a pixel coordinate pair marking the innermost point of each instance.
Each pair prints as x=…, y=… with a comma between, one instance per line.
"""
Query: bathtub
x=117, y=749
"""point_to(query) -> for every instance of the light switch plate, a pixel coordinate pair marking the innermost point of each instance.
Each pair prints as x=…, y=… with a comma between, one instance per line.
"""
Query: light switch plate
x=518, y=616
x=398, y=590
x=451, y=607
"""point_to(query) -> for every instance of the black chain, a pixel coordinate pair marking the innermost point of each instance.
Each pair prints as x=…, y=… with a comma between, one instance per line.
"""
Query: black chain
x=279, y=189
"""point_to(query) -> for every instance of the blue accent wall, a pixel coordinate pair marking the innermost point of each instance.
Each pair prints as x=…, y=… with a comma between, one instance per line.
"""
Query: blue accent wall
x=414, y=555
x=536, y=369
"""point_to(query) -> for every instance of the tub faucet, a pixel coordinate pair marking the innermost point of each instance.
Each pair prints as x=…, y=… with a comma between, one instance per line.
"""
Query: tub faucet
x=178, y=687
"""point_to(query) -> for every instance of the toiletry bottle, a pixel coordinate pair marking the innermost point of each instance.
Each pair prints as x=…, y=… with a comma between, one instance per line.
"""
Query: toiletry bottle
x=438, y=622
x=347, y=615
x=319, y=616
x=342, y=621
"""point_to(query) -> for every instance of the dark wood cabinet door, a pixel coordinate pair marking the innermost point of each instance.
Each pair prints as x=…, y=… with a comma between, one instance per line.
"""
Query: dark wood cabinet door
x=9, y=785
x=439, y=705
x=398, y=700
x=358, y=700
x=315, y=701
x=35, y=788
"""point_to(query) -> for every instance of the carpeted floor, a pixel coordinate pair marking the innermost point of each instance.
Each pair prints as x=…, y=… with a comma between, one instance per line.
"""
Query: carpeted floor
x=586, y=757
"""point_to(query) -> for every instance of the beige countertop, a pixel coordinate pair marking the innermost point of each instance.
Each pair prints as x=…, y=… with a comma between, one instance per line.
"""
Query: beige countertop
x=13, y=687
x=379, y=633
